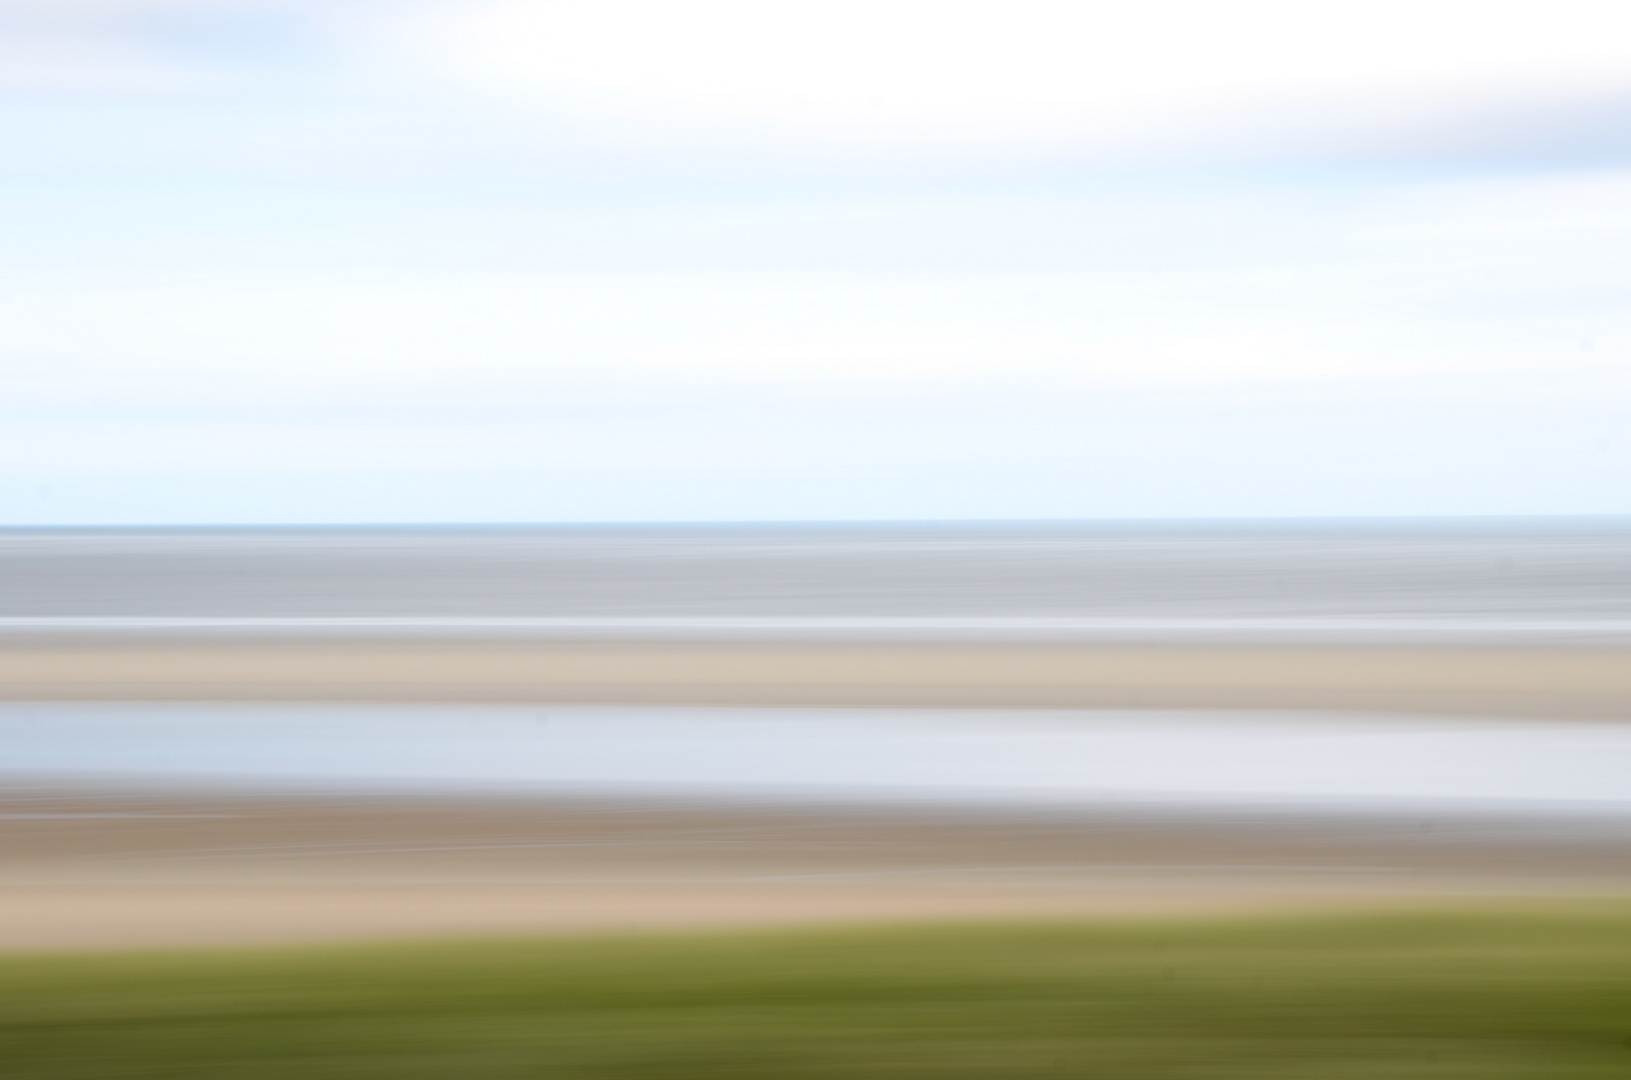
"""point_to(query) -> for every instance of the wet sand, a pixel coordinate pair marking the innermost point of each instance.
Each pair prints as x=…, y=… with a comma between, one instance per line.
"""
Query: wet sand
x=81, y=867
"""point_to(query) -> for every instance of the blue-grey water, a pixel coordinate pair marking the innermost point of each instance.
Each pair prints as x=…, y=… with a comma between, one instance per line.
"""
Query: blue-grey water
x=1019, y=757
x=1515, y=571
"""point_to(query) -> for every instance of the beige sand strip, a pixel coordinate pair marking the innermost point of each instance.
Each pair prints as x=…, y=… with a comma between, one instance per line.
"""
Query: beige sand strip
x=1592, y=681
x=149, y=917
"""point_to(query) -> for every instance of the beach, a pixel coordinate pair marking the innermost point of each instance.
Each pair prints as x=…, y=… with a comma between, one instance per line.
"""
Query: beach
x=1521, y=626
x=102, y=866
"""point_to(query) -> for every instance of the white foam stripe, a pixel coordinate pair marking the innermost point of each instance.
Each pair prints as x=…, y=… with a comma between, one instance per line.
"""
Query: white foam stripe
x=999, y=625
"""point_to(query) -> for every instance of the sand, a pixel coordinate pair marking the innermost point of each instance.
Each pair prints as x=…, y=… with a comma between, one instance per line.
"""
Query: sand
x=1529, y=680
x=86, y=868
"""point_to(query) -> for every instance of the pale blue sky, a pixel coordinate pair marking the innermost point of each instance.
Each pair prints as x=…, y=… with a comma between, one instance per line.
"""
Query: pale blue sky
x=442, y=260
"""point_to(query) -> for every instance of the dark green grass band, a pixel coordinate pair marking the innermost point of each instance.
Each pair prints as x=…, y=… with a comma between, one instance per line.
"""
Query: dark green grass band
x=1481, y=995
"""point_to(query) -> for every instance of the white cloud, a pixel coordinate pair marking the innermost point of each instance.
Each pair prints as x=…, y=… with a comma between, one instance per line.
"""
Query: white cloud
x=892, y=76
x=721, y=81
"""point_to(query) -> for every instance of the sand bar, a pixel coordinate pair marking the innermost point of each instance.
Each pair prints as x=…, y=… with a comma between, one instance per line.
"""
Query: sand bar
x=1591, y=680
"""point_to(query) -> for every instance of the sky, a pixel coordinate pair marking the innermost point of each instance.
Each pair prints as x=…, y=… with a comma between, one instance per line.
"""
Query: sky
x=623, y=260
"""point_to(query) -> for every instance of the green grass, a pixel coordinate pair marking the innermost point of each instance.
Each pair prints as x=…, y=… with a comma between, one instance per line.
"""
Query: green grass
x=1485, y=996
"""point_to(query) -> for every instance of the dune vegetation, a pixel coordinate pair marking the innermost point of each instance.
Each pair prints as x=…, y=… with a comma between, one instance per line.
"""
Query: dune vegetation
x=1492, y=995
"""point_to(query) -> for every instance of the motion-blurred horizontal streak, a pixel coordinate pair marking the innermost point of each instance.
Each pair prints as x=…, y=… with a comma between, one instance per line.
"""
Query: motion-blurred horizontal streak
x=992, y=629
x=278, y=665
